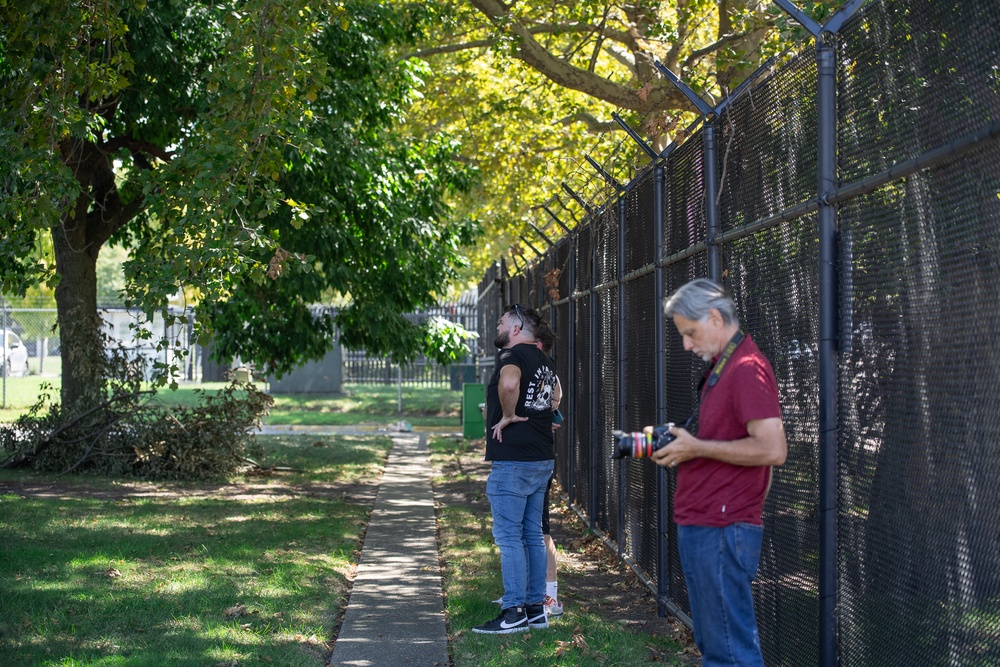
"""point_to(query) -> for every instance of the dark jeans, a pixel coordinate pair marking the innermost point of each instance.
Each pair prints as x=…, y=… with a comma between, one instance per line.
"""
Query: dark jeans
x=719, y=564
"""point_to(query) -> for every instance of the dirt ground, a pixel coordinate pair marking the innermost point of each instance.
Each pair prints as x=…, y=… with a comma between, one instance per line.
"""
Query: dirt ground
x=589, y=573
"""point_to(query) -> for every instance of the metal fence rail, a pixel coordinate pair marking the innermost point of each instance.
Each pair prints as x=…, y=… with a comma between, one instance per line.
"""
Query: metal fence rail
x=850, y=198
x=362, y=369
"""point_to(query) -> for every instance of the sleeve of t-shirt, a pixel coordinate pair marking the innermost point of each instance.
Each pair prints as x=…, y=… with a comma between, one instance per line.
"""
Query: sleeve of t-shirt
x=758, y=394
x=505, y=358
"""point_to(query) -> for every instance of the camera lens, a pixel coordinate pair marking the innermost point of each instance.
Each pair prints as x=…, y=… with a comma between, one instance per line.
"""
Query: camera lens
x=640, y=444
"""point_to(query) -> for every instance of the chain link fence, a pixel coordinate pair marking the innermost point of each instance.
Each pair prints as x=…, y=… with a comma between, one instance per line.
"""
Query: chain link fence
x=37, y=331
x=33, y=330
x=850, y=198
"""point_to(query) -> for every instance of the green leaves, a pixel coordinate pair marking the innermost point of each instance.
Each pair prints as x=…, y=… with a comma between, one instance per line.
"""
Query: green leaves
x=446, y=342
x=369, y=206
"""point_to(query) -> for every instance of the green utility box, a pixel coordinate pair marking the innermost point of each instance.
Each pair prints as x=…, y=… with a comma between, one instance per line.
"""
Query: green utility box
x=473, y=424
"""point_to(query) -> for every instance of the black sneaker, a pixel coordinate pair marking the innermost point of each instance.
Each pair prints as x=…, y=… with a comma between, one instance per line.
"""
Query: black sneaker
x=512, y=619
x=537, y=620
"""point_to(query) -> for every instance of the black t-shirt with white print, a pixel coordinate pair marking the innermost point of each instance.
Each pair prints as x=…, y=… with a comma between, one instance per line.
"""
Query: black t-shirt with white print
x=529, y=440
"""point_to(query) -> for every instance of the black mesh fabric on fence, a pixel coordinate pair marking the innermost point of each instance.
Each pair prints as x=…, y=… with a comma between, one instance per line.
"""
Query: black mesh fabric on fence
x=914, y=356
x=920, y=488
x=606, y=364
x=914, y=75
x=640, y=347
x=767, y=145
x=639, y=252
x=768, y=162
x=489, y=307
x=682, y=376
x=531, y=295
x=773, y=278
x=919, y=423
x=685, y=205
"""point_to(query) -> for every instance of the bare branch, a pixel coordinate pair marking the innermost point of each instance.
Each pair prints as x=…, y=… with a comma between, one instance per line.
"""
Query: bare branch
x=137, y=146
x=594, y=124
x=663, y=96
x=698, y=54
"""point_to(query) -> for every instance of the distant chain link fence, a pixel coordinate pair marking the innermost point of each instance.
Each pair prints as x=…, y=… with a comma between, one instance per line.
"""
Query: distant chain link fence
x=37, y=329
x=850, y=198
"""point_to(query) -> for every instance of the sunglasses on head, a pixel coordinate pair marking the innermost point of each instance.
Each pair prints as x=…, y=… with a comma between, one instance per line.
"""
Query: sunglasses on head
x=520, y=313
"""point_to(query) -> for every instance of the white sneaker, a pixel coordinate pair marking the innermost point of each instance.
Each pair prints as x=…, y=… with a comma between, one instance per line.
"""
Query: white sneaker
x=553, y=607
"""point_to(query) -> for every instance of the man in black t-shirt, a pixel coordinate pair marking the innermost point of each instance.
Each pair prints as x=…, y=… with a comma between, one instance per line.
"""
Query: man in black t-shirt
x=519, y=444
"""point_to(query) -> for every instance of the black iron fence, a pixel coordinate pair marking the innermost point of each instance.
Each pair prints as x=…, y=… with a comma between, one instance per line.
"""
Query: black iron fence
x=850, y=198
x=359, y=367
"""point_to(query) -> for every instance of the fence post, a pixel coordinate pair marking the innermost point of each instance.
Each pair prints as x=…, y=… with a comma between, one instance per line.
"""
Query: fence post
x=622, y=371
x=592, y=376
x=660, y=334
x=711, y=156
x=571, y=306
x=826, y=103
x=826, y=157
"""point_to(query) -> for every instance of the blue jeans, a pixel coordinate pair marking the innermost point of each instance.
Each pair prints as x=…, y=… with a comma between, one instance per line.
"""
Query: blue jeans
x=719, y=564
x=516, y=490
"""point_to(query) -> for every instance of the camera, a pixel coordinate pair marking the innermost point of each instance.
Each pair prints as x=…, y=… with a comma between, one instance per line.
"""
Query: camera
x=639, y=444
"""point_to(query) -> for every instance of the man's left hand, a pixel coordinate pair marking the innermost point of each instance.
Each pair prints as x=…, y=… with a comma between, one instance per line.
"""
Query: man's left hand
x=503, y=423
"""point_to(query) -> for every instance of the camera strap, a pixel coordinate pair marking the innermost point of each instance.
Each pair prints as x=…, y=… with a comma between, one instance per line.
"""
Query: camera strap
x=720, y=365
x=712, y=378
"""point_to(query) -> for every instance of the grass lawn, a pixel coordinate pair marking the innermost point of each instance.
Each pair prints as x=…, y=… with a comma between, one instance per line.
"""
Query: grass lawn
x=252, y=572
x=19, y=394
x=359, y=404
x=371, y=404
x=256, y=570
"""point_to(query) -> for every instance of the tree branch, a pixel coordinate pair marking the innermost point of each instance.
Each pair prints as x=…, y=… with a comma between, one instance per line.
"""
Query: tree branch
x=663, y=96
x=572, y=27
x=594, y=125
x=719, y=43
x=137, y=146
x=449, y=48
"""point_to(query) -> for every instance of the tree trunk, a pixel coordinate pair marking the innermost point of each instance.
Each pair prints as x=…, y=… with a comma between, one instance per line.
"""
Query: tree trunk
x=82, y=344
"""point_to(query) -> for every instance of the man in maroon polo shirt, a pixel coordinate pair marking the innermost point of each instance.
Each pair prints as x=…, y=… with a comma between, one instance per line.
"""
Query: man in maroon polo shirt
x=723, y=474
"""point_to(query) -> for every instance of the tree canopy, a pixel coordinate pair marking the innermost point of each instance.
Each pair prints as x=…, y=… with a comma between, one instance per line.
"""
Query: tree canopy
x=228, y=146
x=532, y=85
x=364, y=221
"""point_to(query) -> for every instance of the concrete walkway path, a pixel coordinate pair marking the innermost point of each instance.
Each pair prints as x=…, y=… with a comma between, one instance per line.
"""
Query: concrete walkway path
x=395, y=615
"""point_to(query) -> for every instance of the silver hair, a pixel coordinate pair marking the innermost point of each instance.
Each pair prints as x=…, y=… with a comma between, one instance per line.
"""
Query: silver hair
x=695, y=299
